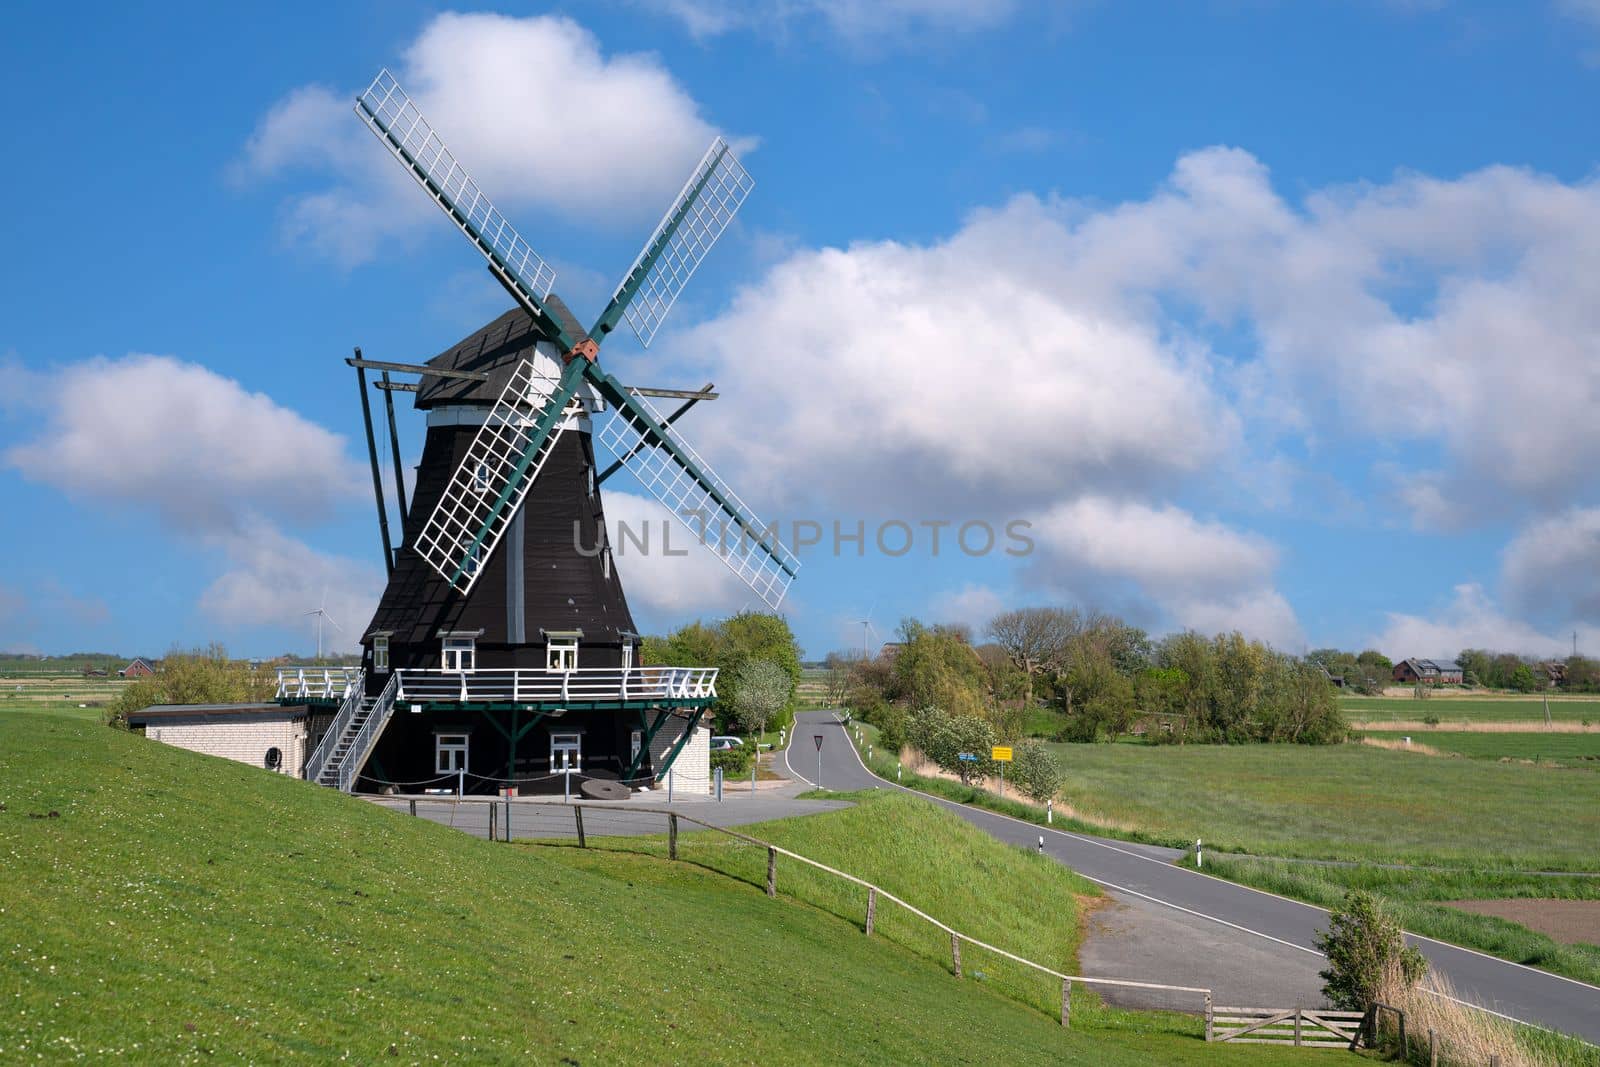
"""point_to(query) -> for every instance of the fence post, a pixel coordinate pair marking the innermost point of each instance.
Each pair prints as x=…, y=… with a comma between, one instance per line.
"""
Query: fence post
x=955, y=952
x=772, y=871
x=413, y=808
x=1208, y=1015
x=1433, y=1047
x=491, y=820
x=872, y=909
x=1296, y=1027
x=508, y=822
x=577, y=814
x=1405, y=1048
x=672, y=837
x=1066, y=1001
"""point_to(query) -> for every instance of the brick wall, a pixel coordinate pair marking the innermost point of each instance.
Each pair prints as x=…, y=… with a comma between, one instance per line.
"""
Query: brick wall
x=692, y=769
x=245, y=741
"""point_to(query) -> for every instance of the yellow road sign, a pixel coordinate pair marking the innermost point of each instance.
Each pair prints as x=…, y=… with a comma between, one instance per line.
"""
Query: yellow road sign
x=1001, y=753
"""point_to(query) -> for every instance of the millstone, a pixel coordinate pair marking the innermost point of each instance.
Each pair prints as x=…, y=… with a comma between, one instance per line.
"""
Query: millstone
x=599, y=789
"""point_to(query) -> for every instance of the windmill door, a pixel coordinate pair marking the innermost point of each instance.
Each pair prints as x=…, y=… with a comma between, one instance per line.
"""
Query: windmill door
x=566, y=753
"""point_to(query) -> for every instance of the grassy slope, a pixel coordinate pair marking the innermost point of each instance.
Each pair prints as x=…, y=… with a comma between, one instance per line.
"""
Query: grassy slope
x=180, y=906
x=1341, y=802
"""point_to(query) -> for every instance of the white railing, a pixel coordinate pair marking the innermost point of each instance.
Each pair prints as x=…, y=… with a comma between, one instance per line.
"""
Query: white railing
x=356, y=755
x=577, y=686
x=317, y=683
x=336, y=729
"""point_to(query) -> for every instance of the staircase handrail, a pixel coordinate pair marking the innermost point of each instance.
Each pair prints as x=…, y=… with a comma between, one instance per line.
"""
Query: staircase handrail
x=341, y=722
x=356, y=755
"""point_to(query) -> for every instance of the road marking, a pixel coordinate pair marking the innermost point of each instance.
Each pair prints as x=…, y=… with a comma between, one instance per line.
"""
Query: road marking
x=1236, y=885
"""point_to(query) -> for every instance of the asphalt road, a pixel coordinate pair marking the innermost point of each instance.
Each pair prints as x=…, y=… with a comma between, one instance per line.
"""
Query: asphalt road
x=1240, y=924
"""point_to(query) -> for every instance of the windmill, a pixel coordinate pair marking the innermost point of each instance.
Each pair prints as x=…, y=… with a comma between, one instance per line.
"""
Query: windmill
x=503, y=584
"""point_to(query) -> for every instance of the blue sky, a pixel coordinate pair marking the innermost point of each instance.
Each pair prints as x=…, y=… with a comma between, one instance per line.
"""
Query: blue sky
x=1269, y=316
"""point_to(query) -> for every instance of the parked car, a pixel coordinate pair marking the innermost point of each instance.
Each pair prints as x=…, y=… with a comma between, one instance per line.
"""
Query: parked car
x=719, y=744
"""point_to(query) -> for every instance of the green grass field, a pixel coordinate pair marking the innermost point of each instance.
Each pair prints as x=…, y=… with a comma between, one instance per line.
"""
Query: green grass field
x=1347, y=802
x=1447, y=710
x=176, y=907
x=1563, y=749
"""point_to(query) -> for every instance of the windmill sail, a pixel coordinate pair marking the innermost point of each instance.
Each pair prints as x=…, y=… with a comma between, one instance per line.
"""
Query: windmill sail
x=673, y=473
x=705, y=207
x=488, y=486
x=397, y=122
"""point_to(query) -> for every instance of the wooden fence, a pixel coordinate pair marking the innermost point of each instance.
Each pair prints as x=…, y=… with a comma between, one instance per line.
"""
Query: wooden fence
x=1301, y=1027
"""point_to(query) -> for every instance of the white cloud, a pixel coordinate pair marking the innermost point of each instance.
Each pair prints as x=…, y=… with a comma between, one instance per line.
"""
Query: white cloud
x=198, y=449
x=1202, y=575
x=532, y=107
x=1582, y=10
x=932, y=376
x=972, y=604
x=272, y=580
x=1471, y=620
x=855, y=20
x=1551, y=569
x=673, y=577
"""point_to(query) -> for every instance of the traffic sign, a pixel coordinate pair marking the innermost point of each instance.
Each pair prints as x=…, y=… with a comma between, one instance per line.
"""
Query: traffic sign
x=1001, y=754
x=818, y=739
x=967, y=757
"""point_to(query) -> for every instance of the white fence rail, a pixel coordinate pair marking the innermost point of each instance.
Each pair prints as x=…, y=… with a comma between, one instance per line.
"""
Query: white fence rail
x=535, y=686
x=317, y=683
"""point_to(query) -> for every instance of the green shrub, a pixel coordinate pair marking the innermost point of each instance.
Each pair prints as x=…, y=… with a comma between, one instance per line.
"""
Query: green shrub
x=1430, y=720
x=1366, y=952
x=735, y=762
x=1036, y=772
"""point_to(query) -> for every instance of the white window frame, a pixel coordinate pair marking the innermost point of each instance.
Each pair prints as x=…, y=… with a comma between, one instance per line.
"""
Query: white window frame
x=566, y=742
x=458, y=654
x=561, y=654
x=380, y=653
x=480, y=478
x=627, y=655
x=447, y=745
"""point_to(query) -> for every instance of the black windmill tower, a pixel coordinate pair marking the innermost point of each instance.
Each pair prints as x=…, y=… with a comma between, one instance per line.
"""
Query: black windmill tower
x=502, y=650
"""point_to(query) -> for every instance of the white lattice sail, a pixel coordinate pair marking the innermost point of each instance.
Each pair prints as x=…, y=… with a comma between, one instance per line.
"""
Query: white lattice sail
x=390, y=114
x=705, y=207
x=754, y=553
x=476, y=507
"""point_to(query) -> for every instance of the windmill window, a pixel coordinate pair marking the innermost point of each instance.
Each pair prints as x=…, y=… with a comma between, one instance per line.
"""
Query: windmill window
x=561, y=654
x=449, y=753
x=627, y=656
x=380, y=653
x=480, y=478
x=460, y=653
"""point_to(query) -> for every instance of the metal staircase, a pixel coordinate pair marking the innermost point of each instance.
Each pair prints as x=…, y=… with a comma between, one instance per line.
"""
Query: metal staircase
x=344, y=748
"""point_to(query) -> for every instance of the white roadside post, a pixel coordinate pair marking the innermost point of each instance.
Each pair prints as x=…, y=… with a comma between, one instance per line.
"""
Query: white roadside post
x=719, y=784
x=1050, y=812
x=671, y=771
x=1199, y=858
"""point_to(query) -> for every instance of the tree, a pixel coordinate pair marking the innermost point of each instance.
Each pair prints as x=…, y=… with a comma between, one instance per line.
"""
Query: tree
x=728, y=645
x=836, y=679
x=1366, y=950
x=761, y=690
x=1036, y=772
x=200, y=676
x=936, y=667
x=1523, y=679
x=1035, y=640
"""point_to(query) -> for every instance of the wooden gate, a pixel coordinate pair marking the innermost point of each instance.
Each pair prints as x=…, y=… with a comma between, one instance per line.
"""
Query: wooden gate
x=1301, y=1027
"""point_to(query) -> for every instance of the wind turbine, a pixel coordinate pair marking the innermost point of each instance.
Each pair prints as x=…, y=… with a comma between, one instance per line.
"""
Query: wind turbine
x=321, y=612
x=866, y=628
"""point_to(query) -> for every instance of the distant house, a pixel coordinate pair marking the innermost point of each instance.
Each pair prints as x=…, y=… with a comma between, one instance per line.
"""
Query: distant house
x=1555, y=672
x=1428, y=672
x=138, y=667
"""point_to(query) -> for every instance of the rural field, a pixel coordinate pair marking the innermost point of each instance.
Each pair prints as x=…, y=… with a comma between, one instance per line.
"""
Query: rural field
x=1577, y=711
x=1547, y=747
x=285, y=938
x=1341, y=802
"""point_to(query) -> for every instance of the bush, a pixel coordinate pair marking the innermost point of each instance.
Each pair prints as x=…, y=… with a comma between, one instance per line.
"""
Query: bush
x=204, y=676
x=1367, y=953
x=1430, y=720
x=735, y=762
x=1036, y=772
x=943, y=738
